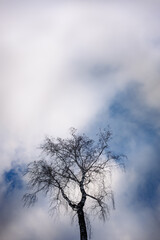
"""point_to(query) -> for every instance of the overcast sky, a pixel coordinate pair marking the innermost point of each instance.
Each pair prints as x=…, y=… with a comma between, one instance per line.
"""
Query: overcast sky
x=82, y=64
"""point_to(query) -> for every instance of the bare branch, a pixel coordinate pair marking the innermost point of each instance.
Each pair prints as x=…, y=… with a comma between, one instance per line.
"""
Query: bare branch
x=73, y=170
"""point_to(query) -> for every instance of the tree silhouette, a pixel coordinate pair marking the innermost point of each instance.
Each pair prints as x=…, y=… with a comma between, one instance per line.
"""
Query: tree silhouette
x=75, y=172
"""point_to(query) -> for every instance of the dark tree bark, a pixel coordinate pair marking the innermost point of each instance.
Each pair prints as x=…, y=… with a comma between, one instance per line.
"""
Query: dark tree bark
x=82, y=224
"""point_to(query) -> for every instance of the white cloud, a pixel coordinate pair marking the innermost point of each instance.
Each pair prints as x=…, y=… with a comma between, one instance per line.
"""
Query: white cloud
x=63, y=63
x=48, y=54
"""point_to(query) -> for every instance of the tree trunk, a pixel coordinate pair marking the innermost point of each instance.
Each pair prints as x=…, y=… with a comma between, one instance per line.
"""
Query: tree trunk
x=82, y=224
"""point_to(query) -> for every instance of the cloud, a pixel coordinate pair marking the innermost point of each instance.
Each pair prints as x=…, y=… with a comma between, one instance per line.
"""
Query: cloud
x=52, y=57
x=18, y=222
x=137, y=190
x=82, y=64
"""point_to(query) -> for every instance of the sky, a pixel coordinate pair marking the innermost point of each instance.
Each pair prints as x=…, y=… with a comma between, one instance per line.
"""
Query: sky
x=83, y=64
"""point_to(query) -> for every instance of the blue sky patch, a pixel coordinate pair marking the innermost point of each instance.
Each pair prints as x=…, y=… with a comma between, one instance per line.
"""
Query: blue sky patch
x=13, y=179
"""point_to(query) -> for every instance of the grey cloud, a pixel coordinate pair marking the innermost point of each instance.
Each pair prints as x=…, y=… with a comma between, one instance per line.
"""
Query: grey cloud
x=63, y=64
x=136, y=191
x=19, y=223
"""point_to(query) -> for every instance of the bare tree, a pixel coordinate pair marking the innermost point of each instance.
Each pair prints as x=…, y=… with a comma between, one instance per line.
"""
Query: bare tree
x=74, y=172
